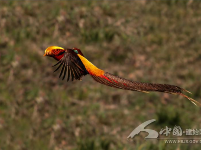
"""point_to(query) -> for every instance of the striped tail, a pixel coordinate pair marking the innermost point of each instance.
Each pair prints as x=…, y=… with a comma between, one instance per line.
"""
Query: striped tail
x=121, y=83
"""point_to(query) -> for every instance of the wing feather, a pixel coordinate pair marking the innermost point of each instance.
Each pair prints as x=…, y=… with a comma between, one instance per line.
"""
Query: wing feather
x=58, y=66
x=68, y=78
x=64, y=71
x=71, y=66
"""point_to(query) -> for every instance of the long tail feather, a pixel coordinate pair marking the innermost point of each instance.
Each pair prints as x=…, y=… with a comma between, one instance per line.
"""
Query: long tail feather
x=118, y=82
x=196, y=103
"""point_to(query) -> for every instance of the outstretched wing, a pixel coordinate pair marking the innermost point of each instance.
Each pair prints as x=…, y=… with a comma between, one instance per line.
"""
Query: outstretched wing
x=118, y=82
x=71, y=66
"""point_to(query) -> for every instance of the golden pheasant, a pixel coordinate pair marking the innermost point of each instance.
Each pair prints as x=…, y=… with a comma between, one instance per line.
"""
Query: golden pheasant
x=73, y=64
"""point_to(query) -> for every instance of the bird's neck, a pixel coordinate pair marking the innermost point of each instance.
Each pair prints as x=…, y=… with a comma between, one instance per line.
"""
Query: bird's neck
x=93, y=70
x=58, y=57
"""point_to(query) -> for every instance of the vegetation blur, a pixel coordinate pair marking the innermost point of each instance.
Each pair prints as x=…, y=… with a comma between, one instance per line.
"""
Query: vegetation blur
x=155, y=41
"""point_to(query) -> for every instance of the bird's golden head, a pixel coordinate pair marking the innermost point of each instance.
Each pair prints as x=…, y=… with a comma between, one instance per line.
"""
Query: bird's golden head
x=53, y=51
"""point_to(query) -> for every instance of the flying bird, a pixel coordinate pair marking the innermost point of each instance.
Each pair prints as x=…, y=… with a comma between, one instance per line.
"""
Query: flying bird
x=74, y=66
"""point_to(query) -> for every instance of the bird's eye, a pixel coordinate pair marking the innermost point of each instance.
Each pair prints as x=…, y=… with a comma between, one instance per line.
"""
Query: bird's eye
x=76, y=51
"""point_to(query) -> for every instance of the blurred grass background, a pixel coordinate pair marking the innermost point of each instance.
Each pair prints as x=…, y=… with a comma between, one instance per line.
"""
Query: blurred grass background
x=151, y=41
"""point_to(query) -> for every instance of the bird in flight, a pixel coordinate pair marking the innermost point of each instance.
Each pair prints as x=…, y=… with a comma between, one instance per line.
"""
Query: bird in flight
x=74, y=66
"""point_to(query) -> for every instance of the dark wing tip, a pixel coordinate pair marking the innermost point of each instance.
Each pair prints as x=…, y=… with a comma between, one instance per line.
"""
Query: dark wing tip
x=71, y=66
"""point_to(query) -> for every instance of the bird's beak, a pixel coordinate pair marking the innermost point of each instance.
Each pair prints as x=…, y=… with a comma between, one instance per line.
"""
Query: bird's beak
x=44, y=55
